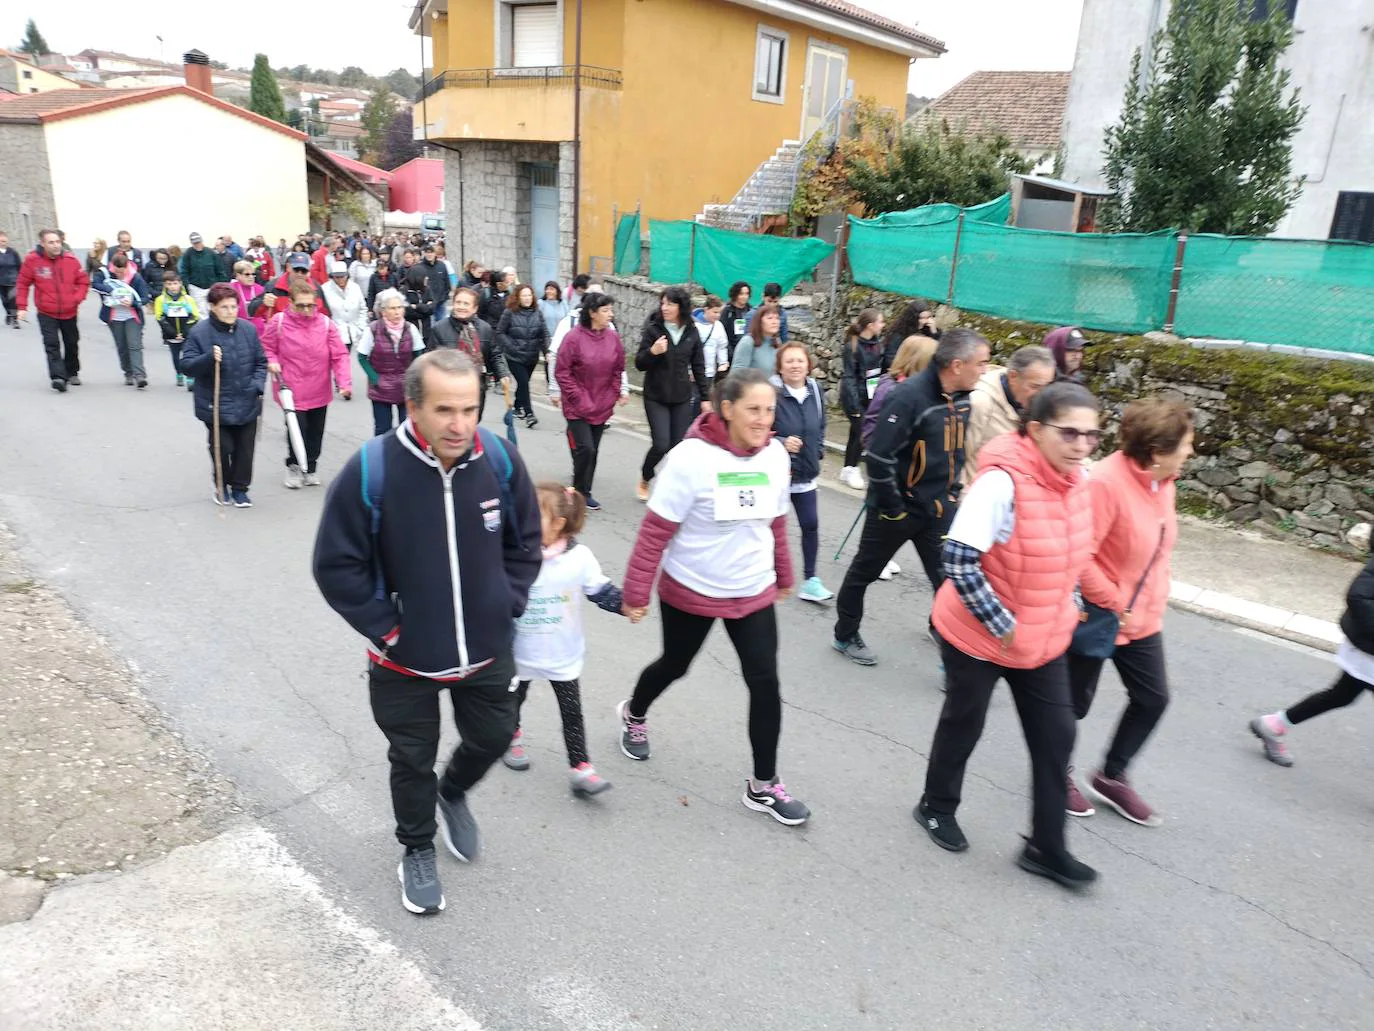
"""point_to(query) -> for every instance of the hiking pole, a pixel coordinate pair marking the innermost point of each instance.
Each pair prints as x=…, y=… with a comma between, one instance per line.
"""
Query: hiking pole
x=857, y=516
x=214, y=436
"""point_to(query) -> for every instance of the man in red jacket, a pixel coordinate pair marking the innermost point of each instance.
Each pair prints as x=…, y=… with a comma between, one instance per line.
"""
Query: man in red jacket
x=59, y=286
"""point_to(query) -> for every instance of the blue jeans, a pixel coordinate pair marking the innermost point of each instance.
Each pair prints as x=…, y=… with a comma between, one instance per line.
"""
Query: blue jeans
x=381, y=417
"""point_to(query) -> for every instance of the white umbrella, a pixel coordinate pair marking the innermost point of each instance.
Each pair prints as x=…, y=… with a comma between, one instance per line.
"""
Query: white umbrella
x=293, y=426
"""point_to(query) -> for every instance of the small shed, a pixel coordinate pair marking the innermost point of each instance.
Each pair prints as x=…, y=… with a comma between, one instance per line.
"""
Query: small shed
x=1038, y=202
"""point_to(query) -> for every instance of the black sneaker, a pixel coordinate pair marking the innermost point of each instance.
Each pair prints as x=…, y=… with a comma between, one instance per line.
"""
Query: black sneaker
x=943, y=828
x=1062, y=867
x=776, y=802
x=421, y=892
x=634, y=734
x=60, y=385
x=855, y=650
x=458, y=827
x=530, y=420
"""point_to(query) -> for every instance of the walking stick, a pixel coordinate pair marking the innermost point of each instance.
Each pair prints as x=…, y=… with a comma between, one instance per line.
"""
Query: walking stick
x=857, y=516
x=214, y=436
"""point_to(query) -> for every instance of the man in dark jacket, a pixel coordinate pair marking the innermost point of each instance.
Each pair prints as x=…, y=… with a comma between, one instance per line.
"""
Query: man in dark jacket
x=464, y=331
x=60, y=284
x=494, y=302
x=446, y=494
x=10, y=261
x=201, y=268
x=437, y=273
x=914, y=458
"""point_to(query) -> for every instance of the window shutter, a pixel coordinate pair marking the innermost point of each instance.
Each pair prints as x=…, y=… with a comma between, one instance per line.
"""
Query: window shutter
x=1354, y=218
x=535, y=36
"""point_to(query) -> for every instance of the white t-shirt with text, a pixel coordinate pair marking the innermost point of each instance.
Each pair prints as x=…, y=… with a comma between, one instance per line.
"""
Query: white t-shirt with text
x=549, y=642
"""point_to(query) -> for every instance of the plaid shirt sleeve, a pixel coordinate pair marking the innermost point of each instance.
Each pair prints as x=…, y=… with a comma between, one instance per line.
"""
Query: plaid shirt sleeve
x=964, y=568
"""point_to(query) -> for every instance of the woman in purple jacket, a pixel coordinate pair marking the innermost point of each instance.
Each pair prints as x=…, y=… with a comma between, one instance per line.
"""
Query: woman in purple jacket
x=591, y=379
x=385, y=352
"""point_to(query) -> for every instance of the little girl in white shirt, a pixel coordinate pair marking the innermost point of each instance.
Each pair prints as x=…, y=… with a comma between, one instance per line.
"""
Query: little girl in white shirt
x=549, y=643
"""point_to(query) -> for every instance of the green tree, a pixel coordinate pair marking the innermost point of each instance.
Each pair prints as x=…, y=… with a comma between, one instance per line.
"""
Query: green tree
x=402, y=82
x=34, y=44
x=1205, y=140
x=300, y=73
x=932, y=163
x=401, y=145
x=376, y=116
x=264, y=95
x=353, y=77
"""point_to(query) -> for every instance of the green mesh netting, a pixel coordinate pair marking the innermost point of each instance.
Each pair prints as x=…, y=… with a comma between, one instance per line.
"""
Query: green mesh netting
x=1304, y=293
x=628, y=251
x=684, y=252
x=994, y=212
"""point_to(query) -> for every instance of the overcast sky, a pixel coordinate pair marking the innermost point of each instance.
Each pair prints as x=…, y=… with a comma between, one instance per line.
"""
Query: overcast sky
x=986, y=35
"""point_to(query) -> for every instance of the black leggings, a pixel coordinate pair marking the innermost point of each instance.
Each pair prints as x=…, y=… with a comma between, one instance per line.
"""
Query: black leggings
x=570, y=708
x=854, y=447
x=1337, y=696
x=311, y=422
x=808, y=518
x=755, y=638
x=1140, y=664
x=667, y=426
x=584, y=441
x=521, y=373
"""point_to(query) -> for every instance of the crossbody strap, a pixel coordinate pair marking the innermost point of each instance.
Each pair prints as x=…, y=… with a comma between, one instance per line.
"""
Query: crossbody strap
x=1150, y=565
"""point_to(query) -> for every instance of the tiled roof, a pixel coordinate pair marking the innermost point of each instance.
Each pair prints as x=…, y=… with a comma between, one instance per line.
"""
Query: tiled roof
x=856, y=13
x=366, y=172
x=1027, y=107
x=54, y=105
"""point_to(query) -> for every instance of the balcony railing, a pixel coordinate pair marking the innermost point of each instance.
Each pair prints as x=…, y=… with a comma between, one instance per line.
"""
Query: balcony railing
x=499, y=78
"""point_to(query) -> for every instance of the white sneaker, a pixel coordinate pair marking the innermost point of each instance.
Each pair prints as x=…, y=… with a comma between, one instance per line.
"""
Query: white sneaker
x=312, y=479
x=294, y=479
x=851, y=477
x=889, y=571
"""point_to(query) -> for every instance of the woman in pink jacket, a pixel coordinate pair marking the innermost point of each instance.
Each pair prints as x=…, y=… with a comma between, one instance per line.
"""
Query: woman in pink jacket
x=591, y=379
x=1134, y=530
x=304, y=351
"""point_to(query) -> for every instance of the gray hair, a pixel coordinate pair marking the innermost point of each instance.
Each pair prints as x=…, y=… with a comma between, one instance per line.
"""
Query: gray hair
x=446, y=360
x=957, y=345
x=1032, y=354
x=385, y=297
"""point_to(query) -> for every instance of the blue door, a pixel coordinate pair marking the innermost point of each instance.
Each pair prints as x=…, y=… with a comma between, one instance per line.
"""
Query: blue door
x=543, y=225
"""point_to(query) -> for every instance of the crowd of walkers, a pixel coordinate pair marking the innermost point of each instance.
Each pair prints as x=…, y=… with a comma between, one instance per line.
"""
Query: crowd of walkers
x=1043, y=565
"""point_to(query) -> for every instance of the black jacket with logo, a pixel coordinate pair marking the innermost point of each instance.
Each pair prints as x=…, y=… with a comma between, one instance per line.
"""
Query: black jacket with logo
x=668, y=377
x=916, y=452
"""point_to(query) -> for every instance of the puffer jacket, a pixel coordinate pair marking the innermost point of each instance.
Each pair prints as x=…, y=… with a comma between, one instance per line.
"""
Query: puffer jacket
x=242, y=373
x=803, y=419
x=668, y=377
x=522, y=335
x=474, y=338
x=590, y=371
x=111, y=289
x=1357, y=622
x=389, y=360
x=863, y=363
x=10, y=260
x=59, y=284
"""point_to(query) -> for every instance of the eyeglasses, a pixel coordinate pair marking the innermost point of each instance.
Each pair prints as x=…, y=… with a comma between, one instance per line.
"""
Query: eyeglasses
x=1072, y=433
x=304, y=307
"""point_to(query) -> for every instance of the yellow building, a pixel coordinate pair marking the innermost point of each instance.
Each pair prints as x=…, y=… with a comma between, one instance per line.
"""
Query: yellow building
x=554, y=113
x=19, y=74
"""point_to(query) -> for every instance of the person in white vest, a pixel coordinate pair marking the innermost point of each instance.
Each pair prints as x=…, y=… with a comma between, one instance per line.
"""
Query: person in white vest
x=347, y=304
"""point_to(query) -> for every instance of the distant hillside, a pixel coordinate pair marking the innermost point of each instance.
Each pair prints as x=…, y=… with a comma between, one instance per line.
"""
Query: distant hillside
x=915, y=103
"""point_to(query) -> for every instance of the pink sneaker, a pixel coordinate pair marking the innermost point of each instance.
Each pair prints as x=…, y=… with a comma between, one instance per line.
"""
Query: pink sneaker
x=586, y=781
x=1077, y=805
x=1119, y=795
x=1270, y=732
x=515, y=757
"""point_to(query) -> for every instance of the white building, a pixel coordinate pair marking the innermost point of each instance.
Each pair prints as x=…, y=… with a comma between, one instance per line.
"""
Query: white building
x=1330, y=60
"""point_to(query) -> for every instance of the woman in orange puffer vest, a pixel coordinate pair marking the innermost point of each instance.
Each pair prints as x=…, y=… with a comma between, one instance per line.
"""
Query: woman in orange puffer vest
x=1134, y=531
x=1013, y=557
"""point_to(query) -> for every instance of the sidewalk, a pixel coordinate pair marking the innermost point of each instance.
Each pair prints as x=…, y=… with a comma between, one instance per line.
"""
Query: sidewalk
x=1226, y=573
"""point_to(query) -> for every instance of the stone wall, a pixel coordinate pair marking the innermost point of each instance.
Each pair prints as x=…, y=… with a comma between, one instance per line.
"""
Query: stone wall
x=26, y=197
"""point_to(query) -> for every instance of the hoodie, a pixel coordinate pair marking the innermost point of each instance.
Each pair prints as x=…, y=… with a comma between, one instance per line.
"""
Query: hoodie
x=1059, y=341
x=717, y=525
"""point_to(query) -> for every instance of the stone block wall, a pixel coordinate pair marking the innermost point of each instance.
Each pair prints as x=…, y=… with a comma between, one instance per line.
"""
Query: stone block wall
x=26, y=198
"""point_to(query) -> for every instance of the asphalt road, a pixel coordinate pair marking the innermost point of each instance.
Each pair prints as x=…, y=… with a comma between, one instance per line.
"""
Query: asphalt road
x=666, y=903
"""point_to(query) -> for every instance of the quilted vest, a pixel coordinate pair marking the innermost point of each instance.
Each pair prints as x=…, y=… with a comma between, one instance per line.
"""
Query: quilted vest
x=1034, y=573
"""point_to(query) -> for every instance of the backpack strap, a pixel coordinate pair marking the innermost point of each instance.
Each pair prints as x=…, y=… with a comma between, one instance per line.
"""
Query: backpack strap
x=493, y=445
x=372, y=477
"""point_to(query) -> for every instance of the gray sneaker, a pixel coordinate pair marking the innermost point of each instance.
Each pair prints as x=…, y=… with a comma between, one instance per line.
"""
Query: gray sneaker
x=856, y=651
x=634, y=735
x=421, y=892
x=458, y=827
x=776, y=802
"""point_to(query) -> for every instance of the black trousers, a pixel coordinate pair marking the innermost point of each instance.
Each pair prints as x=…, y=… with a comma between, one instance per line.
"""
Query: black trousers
x=10, y=301
x=521, y=373
x=880, y=541
x=569, y=696
x=61, y=342
x=584, y=440
x=667, y=425
x=1140, y=665
x=485, y=710
x=755, y=638
x=1340, y=694
x=312, y=432
x=1042, y=702
x=236, y=444
x=854, y=446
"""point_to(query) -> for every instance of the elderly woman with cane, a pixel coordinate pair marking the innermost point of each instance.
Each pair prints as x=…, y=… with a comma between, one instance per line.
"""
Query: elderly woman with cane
x=229, y=401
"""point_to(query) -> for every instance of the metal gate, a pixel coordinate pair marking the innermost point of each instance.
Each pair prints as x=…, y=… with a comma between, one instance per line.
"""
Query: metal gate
x=543, y=226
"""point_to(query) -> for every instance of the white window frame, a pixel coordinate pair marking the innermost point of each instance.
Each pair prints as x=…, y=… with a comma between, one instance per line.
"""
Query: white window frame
x=503, y=37
x=786, y=39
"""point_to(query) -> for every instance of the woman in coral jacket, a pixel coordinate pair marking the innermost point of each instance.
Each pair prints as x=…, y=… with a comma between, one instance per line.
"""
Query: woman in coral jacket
x=1134, y=531
x=304, y=352
x=717, y=523
x=1013, y=557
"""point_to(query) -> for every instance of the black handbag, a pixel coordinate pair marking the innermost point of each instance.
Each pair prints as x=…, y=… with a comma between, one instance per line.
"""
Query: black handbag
x=1095, y=635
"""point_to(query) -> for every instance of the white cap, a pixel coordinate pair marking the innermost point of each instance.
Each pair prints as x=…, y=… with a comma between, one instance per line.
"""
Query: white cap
x=338, y=268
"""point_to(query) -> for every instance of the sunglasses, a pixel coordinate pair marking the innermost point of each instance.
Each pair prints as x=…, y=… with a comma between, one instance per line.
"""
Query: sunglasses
x=300, y=271
x=1071, y=434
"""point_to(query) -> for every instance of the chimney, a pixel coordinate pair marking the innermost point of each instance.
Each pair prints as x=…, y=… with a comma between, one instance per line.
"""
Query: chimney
x=196, y=67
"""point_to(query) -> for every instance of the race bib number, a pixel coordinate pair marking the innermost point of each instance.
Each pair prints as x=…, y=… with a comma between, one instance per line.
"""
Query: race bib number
x=176, y=311
x=739, y=327
x=872, y=380
x=740, y=495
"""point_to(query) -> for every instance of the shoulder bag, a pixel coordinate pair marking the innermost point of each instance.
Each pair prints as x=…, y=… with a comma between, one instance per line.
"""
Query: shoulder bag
x=1095, y=635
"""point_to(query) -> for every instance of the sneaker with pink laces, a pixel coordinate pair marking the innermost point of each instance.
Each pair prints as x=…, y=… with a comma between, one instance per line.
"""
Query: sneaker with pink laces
x=1077, y=805
x=515, y=757
x=774, y=800
x=634, y=733
x=1271, y=732
x=585, y=781
x=1119, y=795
